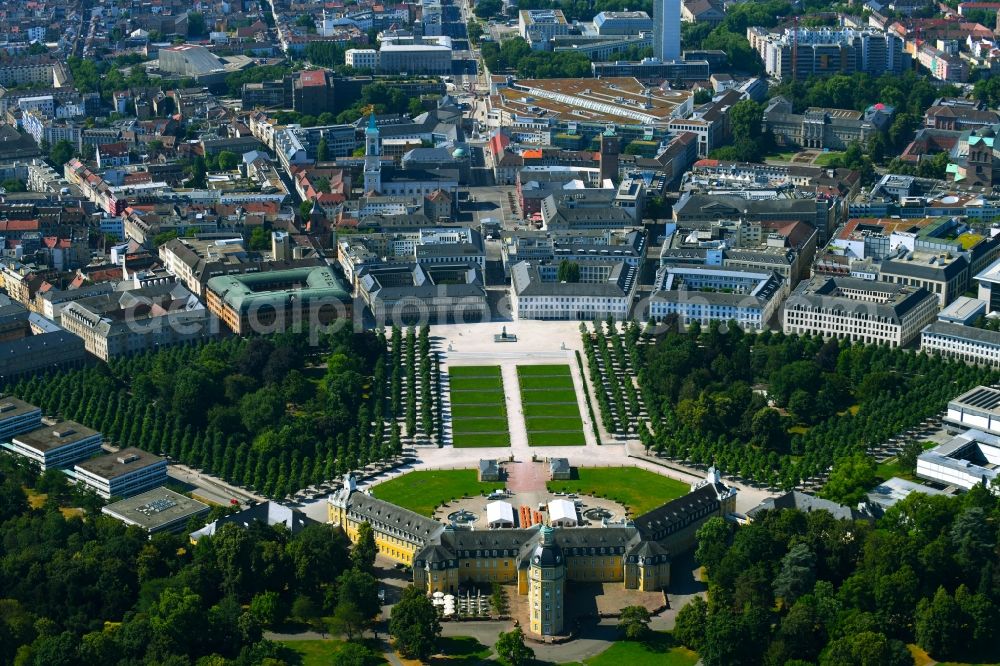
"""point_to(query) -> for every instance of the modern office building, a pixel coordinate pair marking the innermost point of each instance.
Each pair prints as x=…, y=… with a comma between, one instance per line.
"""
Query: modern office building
x=978, y=408
x=969, y=459
x=667, y=29
x=128, y=472
x=17, y=416
x=539, y=26
x=159, y=510
x=704, y=294
x=859, y=310
x=622, y=23
x=56, y=444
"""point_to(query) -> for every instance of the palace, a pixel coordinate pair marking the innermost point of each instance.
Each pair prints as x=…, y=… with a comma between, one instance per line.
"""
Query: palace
x=540, y=560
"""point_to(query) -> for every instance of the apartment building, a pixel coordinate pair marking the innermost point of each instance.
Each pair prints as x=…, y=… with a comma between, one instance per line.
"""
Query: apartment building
x=56, y=444
x=128, y=472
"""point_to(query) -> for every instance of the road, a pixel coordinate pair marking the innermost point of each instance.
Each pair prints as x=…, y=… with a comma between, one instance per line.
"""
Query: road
x=211, y=488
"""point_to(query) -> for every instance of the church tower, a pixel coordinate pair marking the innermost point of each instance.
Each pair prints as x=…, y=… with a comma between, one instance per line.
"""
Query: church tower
x=547, y=585
x=373, y=161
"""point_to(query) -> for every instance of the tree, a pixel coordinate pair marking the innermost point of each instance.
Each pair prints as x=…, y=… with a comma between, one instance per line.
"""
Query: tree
x=866, y=648
x=351, y=654
x=347, y=620
x=797, y=574
x=634, y=622
x=61, y=153
x=689, y=627
x=13, y=185
x=364, y=551
x=227, y=160
x=568, y=271
x=511, y=650
x=361, y=589
x=487, y=9
x=939, y=625
x=322, y=150
x=268, y=608
x=850, y=479
x=713, y=542
x=195, y=24
x=499, y=600
x=745, y=119
x=414, y=625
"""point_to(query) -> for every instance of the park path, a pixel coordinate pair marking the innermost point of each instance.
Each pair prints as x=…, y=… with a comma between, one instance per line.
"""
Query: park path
x=515, y=413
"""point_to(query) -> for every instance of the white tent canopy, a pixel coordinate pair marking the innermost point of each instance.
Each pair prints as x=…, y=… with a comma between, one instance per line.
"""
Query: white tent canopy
x=562, y=513
x=500, y=514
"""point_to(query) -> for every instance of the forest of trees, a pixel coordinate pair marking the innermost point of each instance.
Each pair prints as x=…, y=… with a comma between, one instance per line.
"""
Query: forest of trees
x=86, y=589
x=796, y=588
x=777, y=409
x=273, y=414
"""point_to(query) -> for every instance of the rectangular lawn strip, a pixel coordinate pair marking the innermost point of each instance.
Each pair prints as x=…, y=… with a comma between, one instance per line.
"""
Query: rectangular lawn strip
x=423, y=490
x=553, y=423
x=638, y=489
x=474, y=371
x=549, y=396
x=481, y=424
x=556, y=438
x=529, y=383
x=471, y=440
x=466, y=411
x=477, y=398
x=476, y=383
x=560, y=409
x=543, y=370
x=659, y=649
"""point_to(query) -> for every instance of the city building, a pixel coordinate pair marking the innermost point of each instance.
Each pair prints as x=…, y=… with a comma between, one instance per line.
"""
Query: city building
x=17, y=416
x=415, y=55
x=265, y=513
x=702, y=11
x=537, y=559
x=489, y=470
x=603, y=289
x=560, y=469
x=806, y=503
x=112, y=155
x=653, y=69
x=404, y=293
x=697, y=294
x=128, y=322
x=539, y=26
x=199, y=63
x=969, y=459
x=128, y=472
x=159, y=510
x=278, y=300
x=56, y=444
x=622, y=23
x=977, y=408
x=833, y=129
x=961, y=342
x=859, y=310
x=361, y=59
x=828, y=51
x=667, y=29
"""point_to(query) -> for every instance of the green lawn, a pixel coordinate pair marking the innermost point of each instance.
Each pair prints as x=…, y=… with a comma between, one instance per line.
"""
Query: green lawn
x=477, y=398
x=480, y=424
x=551, y=409
x=659, y=650
x=552, y=413
x=317, y=653
x=460, y=410
x=824, y=159
x=542, y=370
x=479, y=440
x=553, y=423
x=476, y=383
x=422, y=491
x=460, y=651
x=474, y=371
x=478, y=406
x=545, y=382
x=636, y=488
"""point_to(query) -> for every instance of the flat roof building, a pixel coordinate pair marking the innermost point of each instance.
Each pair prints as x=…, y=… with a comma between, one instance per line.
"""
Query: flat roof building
x=56, y=444
x=978, y=408
x=968, y=460
x=128, y=472
x=159, y=510
x=17, y=416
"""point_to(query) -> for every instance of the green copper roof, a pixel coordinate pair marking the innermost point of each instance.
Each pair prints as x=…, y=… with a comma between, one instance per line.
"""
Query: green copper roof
x=312, y=284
